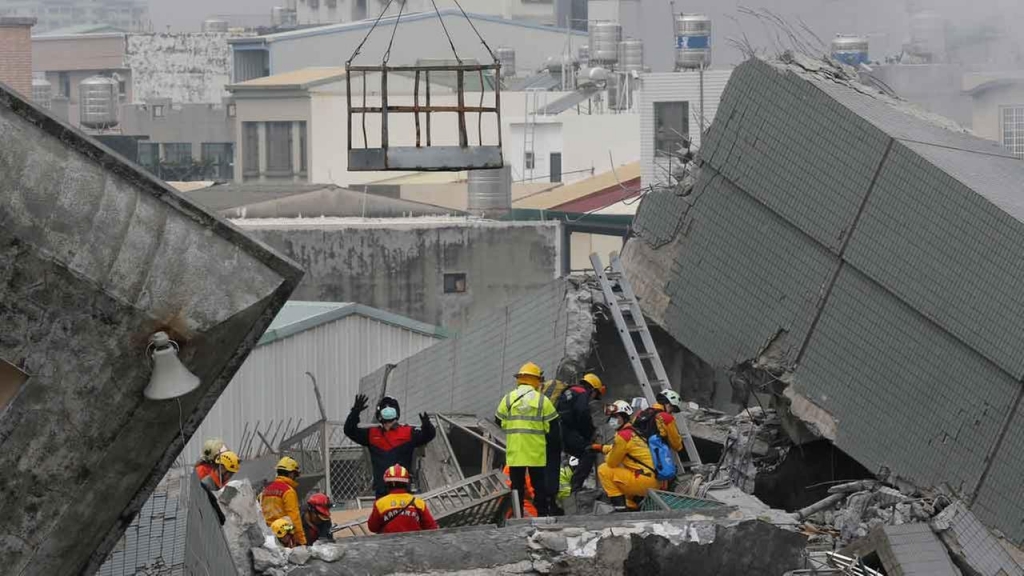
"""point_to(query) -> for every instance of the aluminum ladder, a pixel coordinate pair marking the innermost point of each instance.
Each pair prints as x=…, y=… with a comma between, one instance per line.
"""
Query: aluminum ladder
x=629, y=320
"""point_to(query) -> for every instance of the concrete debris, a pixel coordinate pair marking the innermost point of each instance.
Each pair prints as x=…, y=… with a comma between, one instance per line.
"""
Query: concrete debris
x=299, y=556
x=263, y=559
x=326, y=552
x=975, y=550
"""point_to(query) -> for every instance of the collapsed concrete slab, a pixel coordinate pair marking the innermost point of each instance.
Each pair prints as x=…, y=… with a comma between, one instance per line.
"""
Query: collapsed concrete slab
x=872, y=251
x=95, y=256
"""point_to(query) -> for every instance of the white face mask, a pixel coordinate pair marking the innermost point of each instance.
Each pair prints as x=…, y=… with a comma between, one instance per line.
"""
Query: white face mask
x=614, y=422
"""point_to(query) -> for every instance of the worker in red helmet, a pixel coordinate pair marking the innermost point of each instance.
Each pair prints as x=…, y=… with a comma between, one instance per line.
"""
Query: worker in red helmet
x=316, y=518
x=399, y=511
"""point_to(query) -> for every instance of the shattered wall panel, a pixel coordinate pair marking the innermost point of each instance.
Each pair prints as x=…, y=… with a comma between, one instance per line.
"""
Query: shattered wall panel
x=729, y=237
x=471, y=371
x=663, y=212
x=948, y=403
x=948, y=252
x=782, y=159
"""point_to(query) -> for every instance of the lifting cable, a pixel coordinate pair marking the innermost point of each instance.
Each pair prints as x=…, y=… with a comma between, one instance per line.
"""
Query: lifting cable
x=370, y=31
x=445, y=28
x=387, y=53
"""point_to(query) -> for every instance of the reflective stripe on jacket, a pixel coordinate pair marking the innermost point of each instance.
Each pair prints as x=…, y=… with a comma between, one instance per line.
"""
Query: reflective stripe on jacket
x=526, y=417
x=279, y=499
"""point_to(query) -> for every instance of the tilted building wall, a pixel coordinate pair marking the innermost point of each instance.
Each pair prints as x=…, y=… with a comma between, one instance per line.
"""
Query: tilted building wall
x=872, y=250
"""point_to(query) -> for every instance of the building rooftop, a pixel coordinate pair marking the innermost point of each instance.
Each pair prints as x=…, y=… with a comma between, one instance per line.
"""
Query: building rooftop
x=296, y=317
x=294, y=80
x=82, y=29
x=558, y=198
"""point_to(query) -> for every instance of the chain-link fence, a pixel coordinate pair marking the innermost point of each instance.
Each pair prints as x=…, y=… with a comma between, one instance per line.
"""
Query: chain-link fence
x=351, y=473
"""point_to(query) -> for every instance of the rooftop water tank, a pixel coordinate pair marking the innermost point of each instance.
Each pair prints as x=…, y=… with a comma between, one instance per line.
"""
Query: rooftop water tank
x=97, y=102
x=42, y=92
x=604, y=43
x=554, y=64
x=693, y=41
x=507, y=57
x=583, y=53
x=848, y=49
x=631, y=55
x=214, y=26
x=928, y=36
x=490, y=191
x=283, y=17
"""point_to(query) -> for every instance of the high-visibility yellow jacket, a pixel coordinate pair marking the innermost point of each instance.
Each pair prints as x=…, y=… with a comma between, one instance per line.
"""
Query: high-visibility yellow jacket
x=667, y=428
x=526, y=417
x=629, y=450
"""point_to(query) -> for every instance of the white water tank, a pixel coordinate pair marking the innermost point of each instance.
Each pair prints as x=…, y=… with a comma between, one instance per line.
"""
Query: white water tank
x=693, y=41
x=507, y=57
x=583, y=54
x=42, y=92
x=490, y=191
x=604, y=43
x=98, y=98
x=215, y=26
x=631, y=55
x=852, y=50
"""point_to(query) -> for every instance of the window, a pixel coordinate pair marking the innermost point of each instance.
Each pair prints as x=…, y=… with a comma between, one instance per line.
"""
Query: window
x=556, y=167
x=218, y=157
x=359, y=10
x=671, y=127
x=454, y=283
x=122, y=89
x=149, y=155
x=232, y=110
x=302, y=148
x=158, y=111
x=178, y=153
x=11, y=380
x=528, y=161
x=250, y=149
x=1013, y=129
x=279, y=148
x=65, y=84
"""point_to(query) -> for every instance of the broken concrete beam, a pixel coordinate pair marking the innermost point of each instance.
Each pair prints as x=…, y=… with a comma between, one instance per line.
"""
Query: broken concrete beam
x=908, y=549
x=849, y=487
x=96, y=256
x=820, y=505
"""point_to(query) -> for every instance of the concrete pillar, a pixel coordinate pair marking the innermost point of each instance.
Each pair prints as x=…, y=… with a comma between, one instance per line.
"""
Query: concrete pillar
x=262, y=128
x=296, y=152
x=16, y=53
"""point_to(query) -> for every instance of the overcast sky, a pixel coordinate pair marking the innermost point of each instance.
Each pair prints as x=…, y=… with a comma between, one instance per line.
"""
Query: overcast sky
x=884, y=21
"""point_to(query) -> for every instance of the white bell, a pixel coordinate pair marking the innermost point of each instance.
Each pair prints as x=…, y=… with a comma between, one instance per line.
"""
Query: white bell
x=170, y=378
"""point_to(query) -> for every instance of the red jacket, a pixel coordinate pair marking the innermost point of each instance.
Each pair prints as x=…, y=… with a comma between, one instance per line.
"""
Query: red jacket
x=400, y=511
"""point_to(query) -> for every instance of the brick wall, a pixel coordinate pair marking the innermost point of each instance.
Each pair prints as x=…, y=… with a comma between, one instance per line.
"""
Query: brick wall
x=16, y=53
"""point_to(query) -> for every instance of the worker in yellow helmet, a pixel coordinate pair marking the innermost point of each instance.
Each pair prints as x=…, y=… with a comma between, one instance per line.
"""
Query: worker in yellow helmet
x=280, y=499
x=528, y=419
x=226, y=465
x=284, y=531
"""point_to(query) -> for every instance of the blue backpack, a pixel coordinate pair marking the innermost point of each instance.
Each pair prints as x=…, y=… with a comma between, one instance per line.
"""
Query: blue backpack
x=664, y=460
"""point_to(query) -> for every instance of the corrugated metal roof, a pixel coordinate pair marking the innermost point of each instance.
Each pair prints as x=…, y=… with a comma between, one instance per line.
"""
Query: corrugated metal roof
x=298, y=317
x=564, y=194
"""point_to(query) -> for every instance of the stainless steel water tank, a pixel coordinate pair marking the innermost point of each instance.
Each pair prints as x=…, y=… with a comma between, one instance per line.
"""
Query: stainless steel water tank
x=42, y=92
x=583, y=54
x=215, y=26
x=631, y=55
x=693, y=41
x=282, y=16
x=97, y=102
x=604, y=43
x=507, y=57
x=490, y=191
x=852, y=50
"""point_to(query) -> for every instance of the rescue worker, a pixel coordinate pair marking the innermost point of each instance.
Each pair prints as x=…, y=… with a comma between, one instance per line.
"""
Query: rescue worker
x=658, y=419
x=565, y=475
x=212, y=447
x=528, y=419
x=628, y=469
x=390, y=443
x=280, y=500
x=578, y=426
x=398, y=510
x=227, y=465
x=316, y=518
x=284, y=531
x=529, y=510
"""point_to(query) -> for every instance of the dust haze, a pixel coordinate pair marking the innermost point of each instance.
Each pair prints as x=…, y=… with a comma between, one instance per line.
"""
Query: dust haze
x=884, y=22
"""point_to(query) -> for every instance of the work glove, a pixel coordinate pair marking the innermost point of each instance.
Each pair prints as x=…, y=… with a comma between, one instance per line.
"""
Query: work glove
x=599, y=448
x=424, y=419
x=362, y=401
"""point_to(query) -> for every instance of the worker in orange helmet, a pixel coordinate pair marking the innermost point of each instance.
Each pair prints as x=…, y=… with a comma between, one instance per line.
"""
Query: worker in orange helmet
x=628, y=469
x=280, y=498
x=398, y=510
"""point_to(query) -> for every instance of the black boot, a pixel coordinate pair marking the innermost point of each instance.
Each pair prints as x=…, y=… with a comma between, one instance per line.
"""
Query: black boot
x=619, y=502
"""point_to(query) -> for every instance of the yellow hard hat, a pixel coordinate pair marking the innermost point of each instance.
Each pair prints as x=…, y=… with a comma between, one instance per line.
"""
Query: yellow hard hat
x=532, y=371
x=287, y=464
x=595, y=383
x=282, y=527
x=229, y=460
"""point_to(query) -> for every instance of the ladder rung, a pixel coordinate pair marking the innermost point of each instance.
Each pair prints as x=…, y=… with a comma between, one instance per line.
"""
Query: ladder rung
x=645, y=356
x=634, y=328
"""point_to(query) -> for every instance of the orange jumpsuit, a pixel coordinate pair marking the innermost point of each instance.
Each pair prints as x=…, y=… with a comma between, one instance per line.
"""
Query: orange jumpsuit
x=628, y=469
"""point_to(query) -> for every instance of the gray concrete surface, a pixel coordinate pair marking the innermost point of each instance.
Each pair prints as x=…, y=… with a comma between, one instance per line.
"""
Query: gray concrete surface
x=95, y=256
x=399, y=266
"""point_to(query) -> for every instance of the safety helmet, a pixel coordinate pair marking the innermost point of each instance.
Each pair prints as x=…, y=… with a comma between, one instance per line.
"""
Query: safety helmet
x=396, y=474
x=595, y=383
x=388, y=402
x=320, y=502
x=211, y=448
x=287, y=464
x=573, y=462
x=619, y=407
x=229, y=460
x=671, y=398
x=530, y=374
x=282, y=527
